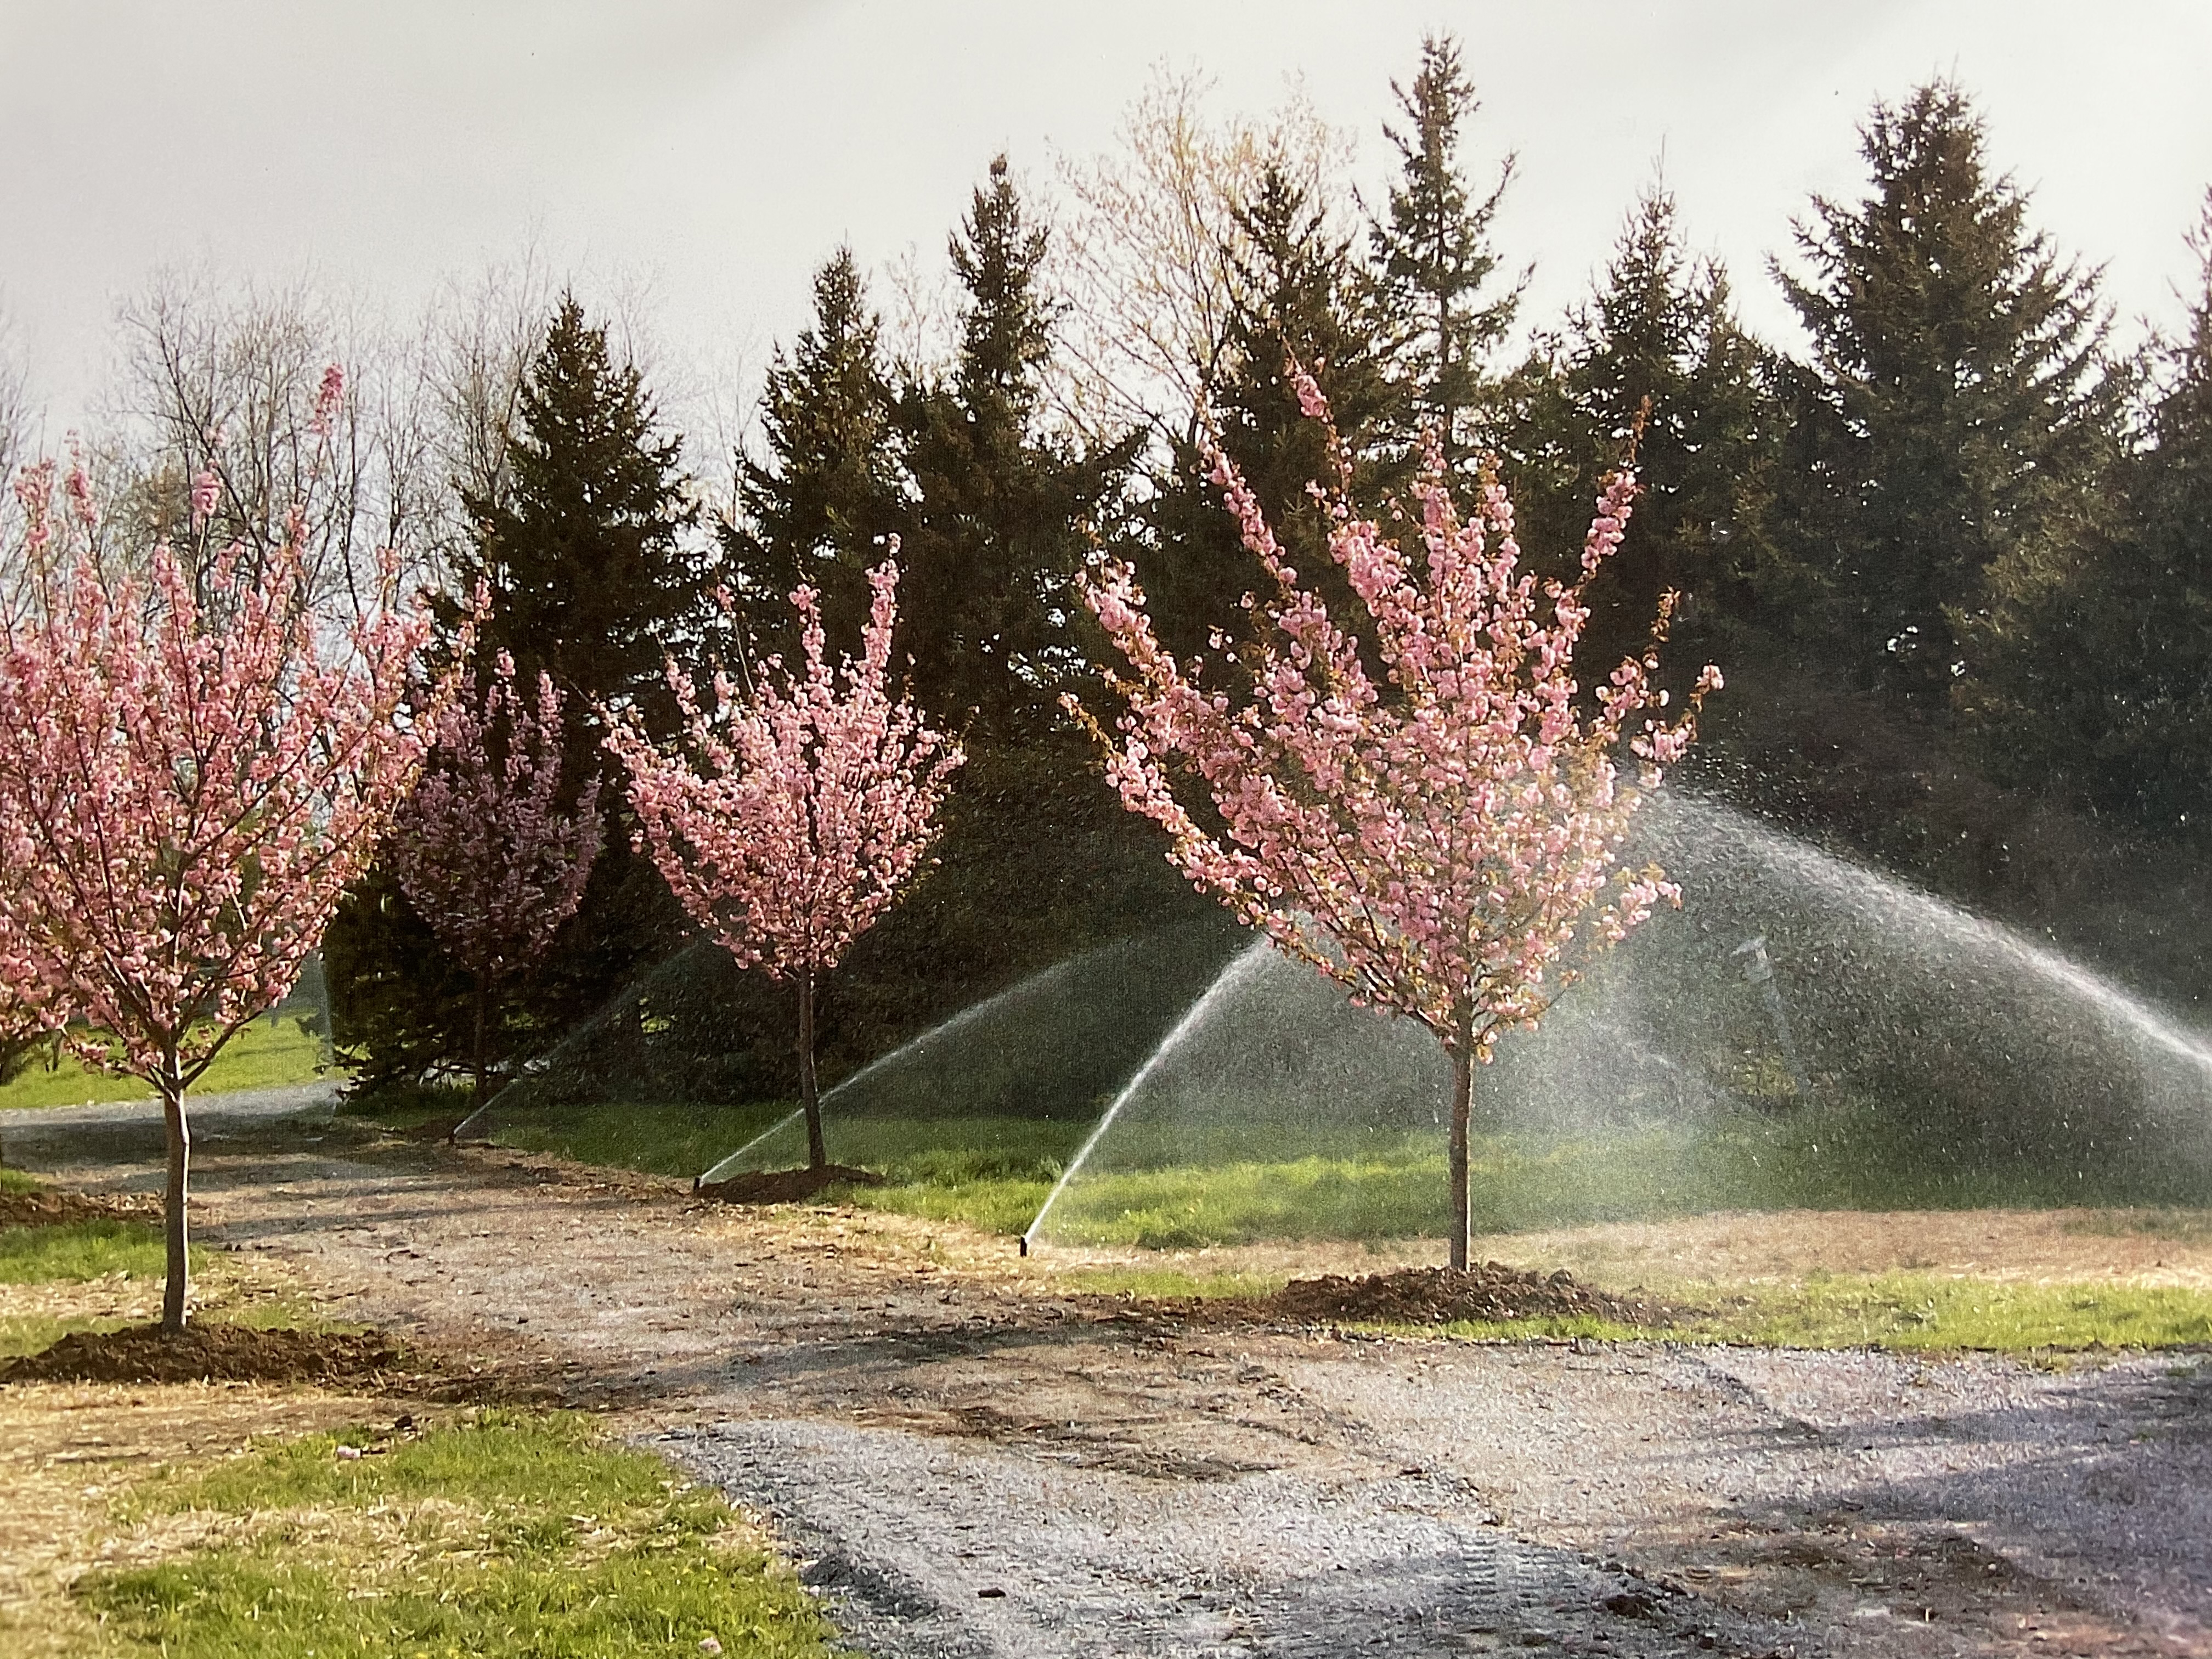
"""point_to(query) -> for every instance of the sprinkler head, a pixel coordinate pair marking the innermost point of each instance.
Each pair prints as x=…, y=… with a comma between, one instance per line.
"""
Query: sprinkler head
x=1024, y=1242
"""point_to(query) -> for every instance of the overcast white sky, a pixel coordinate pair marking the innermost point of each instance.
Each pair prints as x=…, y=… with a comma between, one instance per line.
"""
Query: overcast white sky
x=716, y=152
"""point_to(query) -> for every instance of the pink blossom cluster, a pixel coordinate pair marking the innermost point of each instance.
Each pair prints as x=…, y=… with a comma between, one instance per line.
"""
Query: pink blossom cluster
x=482, y=848
x=802, y=807
x=1441, y=839
x=188, y=779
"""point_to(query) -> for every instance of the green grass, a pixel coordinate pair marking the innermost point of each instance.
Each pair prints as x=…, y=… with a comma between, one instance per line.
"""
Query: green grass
x=503, y=1535
x=258, y=1057
x=1922, y=1312
x=76, y=1251
x=14, y=1180
x=1184, y=1186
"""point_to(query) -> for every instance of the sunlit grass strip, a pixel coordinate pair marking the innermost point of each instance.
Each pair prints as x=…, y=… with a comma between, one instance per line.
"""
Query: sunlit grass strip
x=258, y=1057
x=80, y=1251
x=505, y=1535
x=1903, y=1312
x=1927, y=1312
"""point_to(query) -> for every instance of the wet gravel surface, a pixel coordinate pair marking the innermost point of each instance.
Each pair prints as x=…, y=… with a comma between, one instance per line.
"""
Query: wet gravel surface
x=928, y=1421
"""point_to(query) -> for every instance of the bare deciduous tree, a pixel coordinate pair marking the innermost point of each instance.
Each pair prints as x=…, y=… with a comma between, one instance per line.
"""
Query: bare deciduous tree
x=1147, y=249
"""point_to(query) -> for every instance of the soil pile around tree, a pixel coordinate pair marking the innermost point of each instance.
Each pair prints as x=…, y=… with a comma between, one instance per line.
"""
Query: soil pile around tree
x=56, y=1208
x=1443, y=1296
x=784, y=1186
x=211, y=1352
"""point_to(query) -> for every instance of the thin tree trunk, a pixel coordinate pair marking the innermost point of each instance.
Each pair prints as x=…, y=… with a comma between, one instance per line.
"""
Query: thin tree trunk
x=816, y=1157
x=483, y=1019
x=1462, y=1113
x=173, y=1288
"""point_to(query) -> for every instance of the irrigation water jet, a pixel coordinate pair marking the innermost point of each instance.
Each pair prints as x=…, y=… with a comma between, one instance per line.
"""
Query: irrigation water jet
x=909, y=1050
x=1228, y=977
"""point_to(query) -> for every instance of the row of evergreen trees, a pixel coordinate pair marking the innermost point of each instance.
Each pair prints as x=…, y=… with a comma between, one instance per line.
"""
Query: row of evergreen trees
x=1961, y=515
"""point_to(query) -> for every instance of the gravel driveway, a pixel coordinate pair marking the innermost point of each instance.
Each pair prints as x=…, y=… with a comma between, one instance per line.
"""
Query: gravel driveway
x=972, y=1462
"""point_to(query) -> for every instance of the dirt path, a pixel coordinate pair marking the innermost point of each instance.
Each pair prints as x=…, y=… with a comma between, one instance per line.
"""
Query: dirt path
x=980, y=1463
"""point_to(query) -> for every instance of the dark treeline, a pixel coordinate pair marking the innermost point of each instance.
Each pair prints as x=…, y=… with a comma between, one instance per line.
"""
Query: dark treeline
x=1955, y=554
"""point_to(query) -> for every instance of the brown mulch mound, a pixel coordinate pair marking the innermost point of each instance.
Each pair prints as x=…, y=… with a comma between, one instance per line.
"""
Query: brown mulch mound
x=209, y=1352
x=784, y=1186
x=1445, y=1296
x=55, y=1208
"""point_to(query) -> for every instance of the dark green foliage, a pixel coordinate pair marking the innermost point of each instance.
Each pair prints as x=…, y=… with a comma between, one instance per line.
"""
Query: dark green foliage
x=1038, y=863
x=1431, y=257
x=819, y=510
x=1658, y=343
x=1003, y=511
x=1958, y=405
x=2095, y=666
x=399, y=1003
x=1293, y=299
x=595, y=575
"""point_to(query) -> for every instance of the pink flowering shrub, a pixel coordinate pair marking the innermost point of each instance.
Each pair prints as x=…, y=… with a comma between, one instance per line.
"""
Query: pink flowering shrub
x=483, y=849
x=190, y=774
x=1443, y=839
x=801, y=811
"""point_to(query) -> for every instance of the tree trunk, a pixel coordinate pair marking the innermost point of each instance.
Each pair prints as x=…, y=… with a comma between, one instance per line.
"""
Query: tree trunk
x=174, y=1287
x=809, y=1099
x=1462, y=1113
x=483, y=1019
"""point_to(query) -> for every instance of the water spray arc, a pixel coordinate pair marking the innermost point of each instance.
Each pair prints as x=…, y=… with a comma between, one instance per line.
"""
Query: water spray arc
x=907, y=1050
x=1245, y=964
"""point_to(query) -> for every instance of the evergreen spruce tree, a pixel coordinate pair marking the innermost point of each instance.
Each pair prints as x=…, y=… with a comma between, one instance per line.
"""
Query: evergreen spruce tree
x=1957, y=407
x=589, y=555
x=1431, y=263
x=1003, y=510
x=2093, y=662
x=1295, y=297
x=831, y=491
x=594, y=574
x=1657, y=346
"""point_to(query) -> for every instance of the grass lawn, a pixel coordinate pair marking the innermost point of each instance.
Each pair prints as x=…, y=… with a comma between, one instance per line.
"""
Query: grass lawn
x=498, y=1534
x=258, y=1057
x=1907, y=1312
x=100, y=1275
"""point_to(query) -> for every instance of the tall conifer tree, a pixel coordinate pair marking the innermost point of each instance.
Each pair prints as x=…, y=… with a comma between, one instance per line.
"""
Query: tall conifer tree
x=818, y=509
x=1957, y=405
x=595, y=573
x=1658, y=342
x=1005, y=507
x=2093, y=662
x=1433, y=263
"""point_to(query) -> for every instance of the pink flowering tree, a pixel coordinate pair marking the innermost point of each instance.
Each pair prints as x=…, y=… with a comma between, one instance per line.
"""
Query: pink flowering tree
x=1440, y=837
x=191, y=770
x=801, y=810
x=483, y=849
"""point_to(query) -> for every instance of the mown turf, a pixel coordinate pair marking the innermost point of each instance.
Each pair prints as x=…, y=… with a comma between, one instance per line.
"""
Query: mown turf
x=79, y=1250
x=503, y=1535
x=259, y=1056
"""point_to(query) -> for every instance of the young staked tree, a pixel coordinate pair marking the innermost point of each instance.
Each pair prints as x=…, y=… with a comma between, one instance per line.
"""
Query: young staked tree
x=1432, y=260
x=1958, y=406
x=818, y=510
x=1656, y=357
x=191, y=773
x=485, y=849
x=1442, y=840
x=800, y=809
